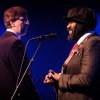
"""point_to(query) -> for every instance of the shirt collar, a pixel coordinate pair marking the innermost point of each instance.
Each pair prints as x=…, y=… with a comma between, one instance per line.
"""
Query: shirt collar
x=10, y=30
x=83, y=37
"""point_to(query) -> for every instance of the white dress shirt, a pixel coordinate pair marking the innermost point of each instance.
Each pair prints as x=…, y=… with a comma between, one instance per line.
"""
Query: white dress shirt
x=10, y=30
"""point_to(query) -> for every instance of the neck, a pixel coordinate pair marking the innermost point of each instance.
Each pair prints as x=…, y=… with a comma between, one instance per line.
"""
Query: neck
x=11, y=30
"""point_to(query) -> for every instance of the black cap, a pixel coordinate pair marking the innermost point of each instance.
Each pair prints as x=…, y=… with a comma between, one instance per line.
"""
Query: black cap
x=82, y=15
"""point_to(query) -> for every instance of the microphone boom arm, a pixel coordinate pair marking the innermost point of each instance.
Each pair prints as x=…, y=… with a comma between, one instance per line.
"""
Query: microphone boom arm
x=30, y=62
x=52, y=35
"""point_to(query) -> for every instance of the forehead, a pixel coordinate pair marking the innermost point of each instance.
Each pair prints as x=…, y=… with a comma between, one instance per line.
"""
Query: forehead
x=71, y=22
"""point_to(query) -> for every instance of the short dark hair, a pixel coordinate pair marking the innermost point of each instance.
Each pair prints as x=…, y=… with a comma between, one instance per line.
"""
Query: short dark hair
x=13, y=14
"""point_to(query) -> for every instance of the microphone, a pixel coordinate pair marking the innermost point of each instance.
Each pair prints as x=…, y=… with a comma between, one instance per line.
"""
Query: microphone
x=43, y=37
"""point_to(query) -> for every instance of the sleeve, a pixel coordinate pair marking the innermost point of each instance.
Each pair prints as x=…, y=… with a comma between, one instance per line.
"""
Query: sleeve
x=89, y=73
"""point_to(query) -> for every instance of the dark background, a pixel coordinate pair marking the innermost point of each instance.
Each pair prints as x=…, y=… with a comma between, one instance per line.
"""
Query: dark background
x=45, y=18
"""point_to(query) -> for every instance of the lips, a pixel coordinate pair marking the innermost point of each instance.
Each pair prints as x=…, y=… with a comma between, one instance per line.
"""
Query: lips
x=70, y=31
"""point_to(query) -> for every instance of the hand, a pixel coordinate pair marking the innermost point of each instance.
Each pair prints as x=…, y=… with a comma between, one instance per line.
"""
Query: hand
x=48, y=80
x=51, y=77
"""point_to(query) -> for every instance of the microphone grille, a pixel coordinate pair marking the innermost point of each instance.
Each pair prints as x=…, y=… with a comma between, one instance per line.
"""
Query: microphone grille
x=53, y=35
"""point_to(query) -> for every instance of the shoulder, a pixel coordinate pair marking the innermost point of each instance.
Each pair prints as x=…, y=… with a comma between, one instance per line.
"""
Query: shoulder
x=10, y=38
x=92, y=41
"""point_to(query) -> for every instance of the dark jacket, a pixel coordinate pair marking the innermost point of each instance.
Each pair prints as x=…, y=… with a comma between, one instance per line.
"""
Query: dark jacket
x=11, y=54
x=80, y=79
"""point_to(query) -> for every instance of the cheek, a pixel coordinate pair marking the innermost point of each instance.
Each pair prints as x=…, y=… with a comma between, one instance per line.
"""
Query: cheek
x=20, y=26
x=74, y=28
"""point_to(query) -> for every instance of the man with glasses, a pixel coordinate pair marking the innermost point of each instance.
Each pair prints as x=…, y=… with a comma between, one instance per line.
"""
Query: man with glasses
x=12, y=67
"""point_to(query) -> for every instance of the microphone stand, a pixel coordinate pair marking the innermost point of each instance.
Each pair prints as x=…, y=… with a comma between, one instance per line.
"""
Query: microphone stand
x=30, y=62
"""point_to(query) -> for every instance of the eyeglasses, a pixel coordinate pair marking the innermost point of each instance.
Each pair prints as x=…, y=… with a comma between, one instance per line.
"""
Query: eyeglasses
x=24, y=19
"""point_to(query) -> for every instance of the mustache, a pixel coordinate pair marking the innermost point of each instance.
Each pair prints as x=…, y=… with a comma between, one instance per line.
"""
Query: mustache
x=69, y=29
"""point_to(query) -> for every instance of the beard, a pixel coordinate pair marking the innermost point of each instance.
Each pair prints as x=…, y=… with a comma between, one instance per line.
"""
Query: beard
x=71, y=37
x=77, y=31
x=71, y=32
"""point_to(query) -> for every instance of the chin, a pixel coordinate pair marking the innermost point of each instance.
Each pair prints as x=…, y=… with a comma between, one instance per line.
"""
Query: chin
x=70, y=37
x=23, y=34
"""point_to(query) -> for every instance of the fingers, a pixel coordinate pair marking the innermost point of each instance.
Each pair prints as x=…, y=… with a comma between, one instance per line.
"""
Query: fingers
x=51, y=71
x=49, y=79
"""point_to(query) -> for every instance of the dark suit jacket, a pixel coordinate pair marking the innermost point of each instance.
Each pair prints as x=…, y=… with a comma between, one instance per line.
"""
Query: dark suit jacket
x=11, y=54
x=81, y=76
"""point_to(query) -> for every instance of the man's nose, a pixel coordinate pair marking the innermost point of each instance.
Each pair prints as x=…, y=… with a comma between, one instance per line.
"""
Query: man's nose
x=68, y=26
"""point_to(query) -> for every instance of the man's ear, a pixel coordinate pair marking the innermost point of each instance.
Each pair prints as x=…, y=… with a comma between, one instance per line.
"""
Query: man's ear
x=12, y=23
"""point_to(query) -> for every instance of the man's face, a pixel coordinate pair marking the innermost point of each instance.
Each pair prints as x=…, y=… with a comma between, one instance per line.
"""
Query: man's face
x=71, y=28
x=20, y=26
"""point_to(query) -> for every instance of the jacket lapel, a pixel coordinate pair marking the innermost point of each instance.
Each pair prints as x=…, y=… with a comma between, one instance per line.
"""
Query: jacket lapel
x=77, y=50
